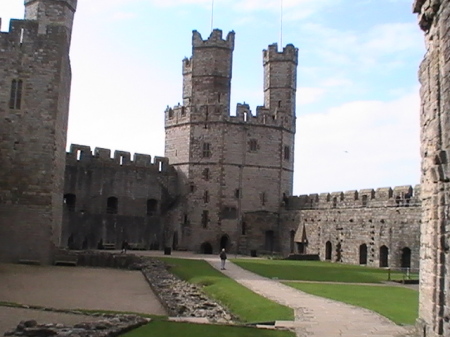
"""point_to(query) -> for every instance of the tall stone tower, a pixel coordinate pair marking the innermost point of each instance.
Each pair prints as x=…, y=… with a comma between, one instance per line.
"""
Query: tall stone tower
x=230, y=165
x=35, y=79
x=434, y=75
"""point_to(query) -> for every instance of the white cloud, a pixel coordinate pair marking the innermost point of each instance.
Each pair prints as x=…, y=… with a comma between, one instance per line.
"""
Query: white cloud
x=361, y=144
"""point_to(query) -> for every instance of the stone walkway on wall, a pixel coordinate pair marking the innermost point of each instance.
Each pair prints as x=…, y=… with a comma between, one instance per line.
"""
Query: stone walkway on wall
x=316, y=316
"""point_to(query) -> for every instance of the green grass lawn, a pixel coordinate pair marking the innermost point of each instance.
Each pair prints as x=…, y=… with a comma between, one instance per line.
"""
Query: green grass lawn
x=315, y=271
x=396, y=303
x=244, y=303
x=174, y=329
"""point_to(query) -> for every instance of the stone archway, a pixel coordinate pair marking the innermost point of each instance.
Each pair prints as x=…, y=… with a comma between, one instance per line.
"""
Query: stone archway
x=363, y=254
x=405, y=258
x=225, y=242
x=328, y=250
x=206, y=248
x=384, y=256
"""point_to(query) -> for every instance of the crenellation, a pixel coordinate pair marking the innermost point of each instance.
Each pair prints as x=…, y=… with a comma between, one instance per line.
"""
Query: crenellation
x=400, y=196
x=214, y=40
x=82, y=154
x=289, y=53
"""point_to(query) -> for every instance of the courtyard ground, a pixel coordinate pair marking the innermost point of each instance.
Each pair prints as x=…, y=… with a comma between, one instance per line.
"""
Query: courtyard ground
x=72, y=288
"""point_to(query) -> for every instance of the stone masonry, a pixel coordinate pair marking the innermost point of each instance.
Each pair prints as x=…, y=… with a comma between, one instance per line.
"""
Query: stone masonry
x=229, y=165
x=434, y=75
x=111, y=200
x=35, y=79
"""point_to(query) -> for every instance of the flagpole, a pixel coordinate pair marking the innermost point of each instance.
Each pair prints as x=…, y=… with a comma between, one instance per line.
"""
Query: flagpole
x=281, y=23
x=212, y=14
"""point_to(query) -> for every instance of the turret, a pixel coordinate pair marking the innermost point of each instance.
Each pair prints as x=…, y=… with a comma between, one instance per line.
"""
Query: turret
x=51, y=12
x=280, y=79
x=207, y=74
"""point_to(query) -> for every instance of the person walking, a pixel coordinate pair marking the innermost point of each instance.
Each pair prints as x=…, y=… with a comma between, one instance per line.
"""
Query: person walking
x=223, y=258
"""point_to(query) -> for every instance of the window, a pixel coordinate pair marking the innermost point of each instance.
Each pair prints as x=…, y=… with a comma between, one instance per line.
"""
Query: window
x=253, y=145
x=206, y=150
x=206, y=174
x=152, y=206
x=287, y=152
x=237, y=193
x=206, y=197
x=70, y=201
x=112, y=205
x=205, y=219
x=15, y=98
x=192, y=187
x=263, y=198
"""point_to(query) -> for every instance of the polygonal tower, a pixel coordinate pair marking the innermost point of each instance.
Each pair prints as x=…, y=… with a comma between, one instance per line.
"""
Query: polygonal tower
x=35, y=79
x=230, y=165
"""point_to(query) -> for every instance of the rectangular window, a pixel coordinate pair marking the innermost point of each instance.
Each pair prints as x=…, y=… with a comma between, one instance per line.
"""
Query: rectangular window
x=253, y=145
x=205, y=216
x=15, y=99
x=287, y=152
x=206, y=150
x=206, y=197
x=206, y=174
x=237, y=193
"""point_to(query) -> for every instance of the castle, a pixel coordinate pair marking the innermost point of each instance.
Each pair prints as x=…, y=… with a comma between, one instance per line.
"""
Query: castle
x=225, y=180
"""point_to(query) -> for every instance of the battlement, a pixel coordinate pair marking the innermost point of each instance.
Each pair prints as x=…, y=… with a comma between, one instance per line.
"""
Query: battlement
x=289, y=53
x=214, y=40
x=187, y=65
x=82, y=154
x=181, y=114
x=399, y=196
x=24, y=37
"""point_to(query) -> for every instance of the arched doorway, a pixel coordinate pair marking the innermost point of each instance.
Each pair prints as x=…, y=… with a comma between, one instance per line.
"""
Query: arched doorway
x=384, y=256
x=224, y=242
x=363, y=254
x=206, y=248
x=405, y=259
x=328, y=250
x=175, y=241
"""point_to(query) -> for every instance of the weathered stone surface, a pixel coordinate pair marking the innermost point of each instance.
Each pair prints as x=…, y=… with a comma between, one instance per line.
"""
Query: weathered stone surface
x=434, y=306
x=106, y=326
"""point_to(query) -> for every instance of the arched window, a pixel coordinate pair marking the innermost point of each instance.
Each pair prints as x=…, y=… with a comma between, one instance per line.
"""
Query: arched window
x=112, y=205
x=152, y=206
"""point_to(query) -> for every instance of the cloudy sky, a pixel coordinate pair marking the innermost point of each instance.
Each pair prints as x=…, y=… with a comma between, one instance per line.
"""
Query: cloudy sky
x=357, y=90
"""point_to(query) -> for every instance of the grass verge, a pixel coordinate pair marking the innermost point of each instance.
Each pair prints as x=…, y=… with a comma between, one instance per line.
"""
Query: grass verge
x=175, y=329
x=244, y=303
x=398, y=304
x=316, y=271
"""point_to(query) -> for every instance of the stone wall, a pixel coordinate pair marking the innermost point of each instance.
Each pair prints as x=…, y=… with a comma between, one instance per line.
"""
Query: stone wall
x=434, y=75
x=35, y=79
x=109, y=200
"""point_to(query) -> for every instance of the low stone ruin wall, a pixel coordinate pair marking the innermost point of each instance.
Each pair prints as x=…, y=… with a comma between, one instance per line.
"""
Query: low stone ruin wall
x=106, y=326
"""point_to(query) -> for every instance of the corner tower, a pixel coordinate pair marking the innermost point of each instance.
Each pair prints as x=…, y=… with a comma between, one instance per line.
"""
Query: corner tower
x=35, y=78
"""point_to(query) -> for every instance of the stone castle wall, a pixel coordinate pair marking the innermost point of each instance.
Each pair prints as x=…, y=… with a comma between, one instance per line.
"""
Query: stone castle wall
x=434, y=76
x=110, y=200
x=35, y=79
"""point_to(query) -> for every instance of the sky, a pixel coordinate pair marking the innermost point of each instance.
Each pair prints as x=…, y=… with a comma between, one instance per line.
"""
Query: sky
x=357, y=89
